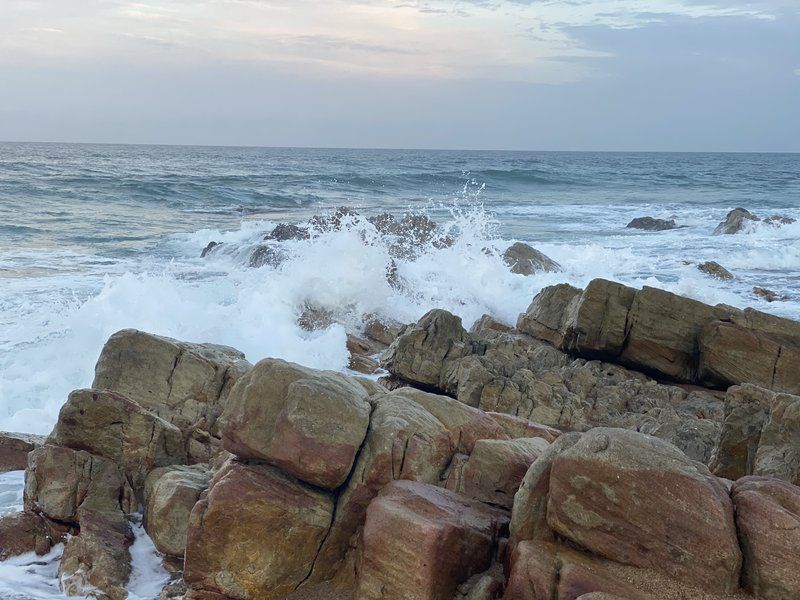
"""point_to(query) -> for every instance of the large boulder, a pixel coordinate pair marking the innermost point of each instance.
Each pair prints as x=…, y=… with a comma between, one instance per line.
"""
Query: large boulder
x=112, y=426
x=14, y=449
x=420, y=542
x=735, y=221
x=778, y=453
x=256, y=534
x=27, y=531
x=523, y=259
x=59, y=481
x=546, y=317
x=308, y=423
x=651, y=224
x=768, y=520
x=170, y=494
x=715, y=270
x=639, y=501
x=183, y=383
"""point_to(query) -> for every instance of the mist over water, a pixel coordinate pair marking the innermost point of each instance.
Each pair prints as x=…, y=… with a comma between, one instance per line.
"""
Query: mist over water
x=94, y=239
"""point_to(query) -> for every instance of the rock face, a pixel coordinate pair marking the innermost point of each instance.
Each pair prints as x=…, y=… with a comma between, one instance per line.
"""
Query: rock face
x=778, y=452
x=651, y=224
x=420, y=542
x=14, y=448
x=308, y=423
x=522, y=259
x=255, y=536
x=170, y=495
x=716, y=270
x=735, y=221
x=28, y=532
x=639, y=501
x=768, y=518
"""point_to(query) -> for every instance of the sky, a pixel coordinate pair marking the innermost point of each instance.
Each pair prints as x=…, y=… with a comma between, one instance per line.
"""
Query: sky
x=663, y=75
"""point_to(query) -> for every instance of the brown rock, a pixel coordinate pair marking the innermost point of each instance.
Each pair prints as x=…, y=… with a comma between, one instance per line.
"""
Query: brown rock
x=112, y=426
x=14, y=448
x=256, y=535
x=420, y=542
x=767, y=295
x=382, y=331
x=28, y=532
x=651, y=224
x=522, y=259
x=545, y=318
x=596, y=325
x=639, y=501
x=170, y=495
x=519, y=427
x=735, y=221
x=768, y=518
x=287, y=231
x=716, y=270
x=98, y=557
x=778, y=452
x=306, y=422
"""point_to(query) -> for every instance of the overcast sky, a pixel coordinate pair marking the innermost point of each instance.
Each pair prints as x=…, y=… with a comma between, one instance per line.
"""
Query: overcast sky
x=493, y=74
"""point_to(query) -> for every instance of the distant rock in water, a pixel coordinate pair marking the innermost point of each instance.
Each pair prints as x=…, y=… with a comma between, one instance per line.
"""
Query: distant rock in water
x=287, y=231
x=735, y=221
x=716, y=270
x=652, y=224
x=209, y=248
x=522, y=259
x=767, y=295
x=266, y=255
x=779, y=220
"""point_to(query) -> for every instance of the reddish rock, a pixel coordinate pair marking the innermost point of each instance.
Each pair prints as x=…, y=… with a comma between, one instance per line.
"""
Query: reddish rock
x=768, y=518
x=638, y=500
x=28, y=532
x=420, y=542
x=519, y=427
x=256, y=535
x=14, y=448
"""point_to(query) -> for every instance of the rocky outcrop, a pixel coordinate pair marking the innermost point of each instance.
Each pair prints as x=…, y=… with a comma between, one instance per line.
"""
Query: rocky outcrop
x=778, y=452
x=14, y=449
x=715, y=270
x=768, y=518
x=420, y=542
x=256, y=534
x=308, y=423
x=737, y=220
x=652, y=224
x=523, y=259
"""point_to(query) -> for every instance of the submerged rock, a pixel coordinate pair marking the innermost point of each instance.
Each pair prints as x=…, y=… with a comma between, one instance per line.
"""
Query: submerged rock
x=522, y=259
x=735, y=221
x=716, y=270
x=207, y=250
x=651, y=224
x=266, y=255
x=287, y=231
x=768, y=295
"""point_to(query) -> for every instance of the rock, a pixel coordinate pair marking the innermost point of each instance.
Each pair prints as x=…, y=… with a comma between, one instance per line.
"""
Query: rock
x=266, y=255
x=495, y=468
x=28, y=532
x=382, y=331
x=362, y=354
x=255, y=536
x=746, y=410
x=716, y=270
x=112, y=426
x=522, y=259
x=768, y=295
x=768, y=520
x=545, y=318
x=778, y=452
x=489, y=323
x=341, y=216
x=183, y=383
x=779, y=220
x=735, y=221
x=384, y=223
x=60, y=481
x=99, y=557
x=651, y=224
x=308, y=423
x=209, y=248
x=420, y=542
x=14, y=448
x=639, y=501
x=284, y=232
x=170, y=494
x=518, y=427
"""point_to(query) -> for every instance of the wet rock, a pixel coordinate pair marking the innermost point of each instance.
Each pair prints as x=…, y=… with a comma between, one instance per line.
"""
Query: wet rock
x=735, y=221
x=170, y=494
x=522, y=259
x=489, y=323
x=314, y=318
x=651, y=224
x=28, y=532
x=639, y=501
x=308, y=423
x=716, y=270
x=207, y=250
x=111, y=426
x=284, y=232
x=768, y=295
x=421, y=542
x=779, y=220
x=363, y=354
x=265, y=255
x=382, y=331
x=546, y=317
x=334, y=222
x=768, y=520
x=255, y=536
x=385, y=223
x=14, y=449
x=778, y=453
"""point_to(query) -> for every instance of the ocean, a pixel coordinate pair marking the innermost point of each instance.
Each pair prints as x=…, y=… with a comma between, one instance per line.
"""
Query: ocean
x=96, y=238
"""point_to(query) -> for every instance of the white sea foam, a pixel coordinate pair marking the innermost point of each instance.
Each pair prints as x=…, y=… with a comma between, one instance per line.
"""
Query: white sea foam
x=148, y=575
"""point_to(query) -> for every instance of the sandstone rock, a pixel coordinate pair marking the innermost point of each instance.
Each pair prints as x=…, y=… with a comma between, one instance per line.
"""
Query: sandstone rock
x=489, y=323
x=28, y=532
x=639, y=501
x=420, y=542
x=98, y=557
x=767, y=295
x=518, y=427
x=545, y=318
x=716, y=270
x=60, y=481
x=306, y=422
x=382, y=331
x=170, y=495
x=768, y=519
x=735, y=221
x=112, y=426
x=362, y=354
x=14, y=448
x=746, y=410
x=494, y=470
x=651, y=224
x=778, y=453
x=255, y=536
x=185, y=384
x=522, y=259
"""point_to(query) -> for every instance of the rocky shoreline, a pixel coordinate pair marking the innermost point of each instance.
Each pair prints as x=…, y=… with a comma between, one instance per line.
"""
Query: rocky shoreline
x=614, y=443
